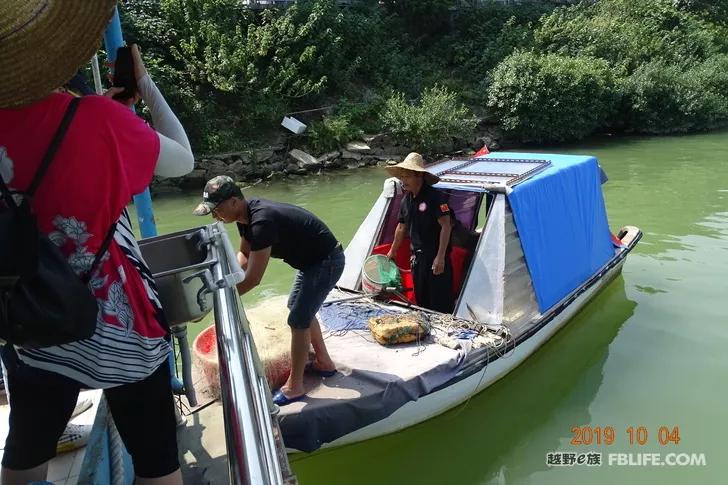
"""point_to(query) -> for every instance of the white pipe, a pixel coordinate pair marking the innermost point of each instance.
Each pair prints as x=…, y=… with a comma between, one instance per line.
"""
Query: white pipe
x=97, y=74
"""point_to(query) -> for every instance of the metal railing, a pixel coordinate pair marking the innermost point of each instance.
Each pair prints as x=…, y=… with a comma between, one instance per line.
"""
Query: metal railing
x=256, y=454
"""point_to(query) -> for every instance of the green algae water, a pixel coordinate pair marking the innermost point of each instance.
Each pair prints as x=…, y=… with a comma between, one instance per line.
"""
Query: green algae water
x=650, y=351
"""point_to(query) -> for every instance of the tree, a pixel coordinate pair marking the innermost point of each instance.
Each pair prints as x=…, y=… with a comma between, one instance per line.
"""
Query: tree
x=552, y=97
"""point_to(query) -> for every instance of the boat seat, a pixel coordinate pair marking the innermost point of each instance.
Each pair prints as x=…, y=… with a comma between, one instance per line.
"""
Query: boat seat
x=459, y=259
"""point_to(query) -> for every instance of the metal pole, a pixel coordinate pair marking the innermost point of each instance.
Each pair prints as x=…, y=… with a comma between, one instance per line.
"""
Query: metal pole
x=255, y=453
x=180, y=333
x=97, y=74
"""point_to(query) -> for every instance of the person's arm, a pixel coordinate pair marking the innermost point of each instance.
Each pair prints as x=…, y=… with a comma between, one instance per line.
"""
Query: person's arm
x=257, y=263
x=401, y=231
x=444, y=218
x=244, y=253
x=399, y=234
x=438, y=265
x=175, y=154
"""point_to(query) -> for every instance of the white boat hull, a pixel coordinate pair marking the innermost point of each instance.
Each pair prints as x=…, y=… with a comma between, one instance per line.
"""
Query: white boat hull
x=438, y=402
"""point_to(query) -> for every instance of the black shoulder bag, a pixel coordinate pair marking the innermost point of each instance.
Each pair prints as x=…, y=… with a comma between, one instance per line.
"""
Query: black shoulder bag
x=43, y=302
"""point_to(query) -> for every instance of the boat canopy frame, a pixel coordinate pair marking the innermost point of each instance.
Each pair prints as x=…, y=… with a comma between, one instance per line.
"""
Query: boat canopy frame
x=488, y=173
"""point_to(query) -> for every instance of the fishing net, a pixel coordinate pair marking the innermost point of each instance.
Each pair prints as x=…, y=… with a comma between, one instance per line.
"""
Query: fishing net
x=269, y=325
x=272, y=336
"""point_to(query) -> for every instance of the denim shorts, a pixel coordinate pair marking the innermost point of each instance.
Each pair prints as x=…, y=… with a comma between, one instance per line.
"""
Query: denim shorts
x=311, y=287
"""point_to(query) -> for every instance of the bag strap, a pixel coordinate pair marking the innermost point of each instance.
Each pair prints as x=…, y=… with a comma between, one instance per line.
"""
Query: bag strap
x=100, y=253
x=53, y=147
x=7, y=195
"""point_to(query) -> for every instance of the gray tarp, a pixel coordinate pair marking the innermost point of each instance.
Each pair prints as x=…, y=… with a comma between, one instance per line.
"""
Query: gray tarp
x=373, y=381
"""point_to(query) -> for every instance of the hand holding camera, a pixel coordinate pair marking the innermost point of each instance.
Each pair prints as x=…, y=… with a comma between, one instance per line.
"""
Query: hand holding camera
x=128, y=69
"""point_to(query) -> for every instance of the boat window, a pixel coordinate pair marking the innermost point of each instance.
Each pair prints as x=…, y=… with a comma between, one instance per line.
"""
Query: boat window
x=483, y=212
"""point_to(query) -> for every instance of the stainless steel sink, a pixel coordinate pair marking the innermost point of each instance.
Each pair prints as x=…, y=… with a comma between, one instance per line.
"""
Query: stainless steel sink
x=176, y=260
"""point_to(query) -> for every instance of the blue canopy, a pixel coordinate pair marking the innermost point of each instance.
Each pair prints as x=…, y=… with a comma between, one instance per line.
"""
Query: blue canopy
x=562, y=223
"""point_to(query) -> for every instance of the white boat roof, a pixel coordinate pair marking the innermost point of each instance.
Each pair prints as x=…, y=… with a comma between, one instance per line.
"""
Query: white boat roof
x=489, y=172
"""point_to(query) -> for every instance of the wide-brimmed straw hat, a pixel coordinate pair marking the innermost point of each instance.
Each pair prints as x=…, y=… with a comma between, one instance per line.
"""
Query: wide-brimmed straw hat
x=413, y=163
x=43, y=43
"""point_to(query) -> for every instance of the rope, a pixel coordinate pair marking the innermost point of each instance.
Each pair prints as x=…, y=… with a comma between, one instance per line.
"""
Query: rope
x=313, y=110
x=364, y=301
x=447, y=324
x=475, y=389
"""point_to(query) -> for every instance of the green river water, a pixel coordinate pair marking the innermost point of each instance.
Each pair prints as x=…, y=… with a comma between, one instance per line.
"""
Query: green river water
x=651, y=350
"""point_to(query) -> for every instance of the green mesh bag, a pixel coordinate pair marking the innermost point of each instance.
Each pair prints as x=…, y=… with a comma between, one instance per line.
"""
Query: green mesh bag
x=380, y=273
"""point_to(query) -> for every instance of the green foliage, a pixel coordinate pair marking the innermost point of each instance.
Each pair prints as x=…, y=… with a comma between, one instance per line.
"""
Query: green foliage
x=551, y=73
x=646, y=66
x=486, y=35
x=437, y=118
x=663, y=98
x=552, y=97
x=712, y=10
x=331, y=132
x=419, y=9
x=280, y=52
x=380, y=54
x=628, y=33
x=421, y=17
x=364, y=115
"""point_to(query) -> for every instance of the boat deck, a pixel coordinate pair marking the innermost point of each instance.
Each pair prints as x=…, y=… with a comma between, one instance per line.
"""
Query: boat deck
x=201, y=441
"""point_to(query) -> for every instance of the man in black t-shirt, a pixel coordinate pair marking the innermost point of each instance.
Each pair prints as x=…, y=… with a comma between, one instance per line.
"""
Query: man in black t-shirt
x=276, y=230
x=425, y=217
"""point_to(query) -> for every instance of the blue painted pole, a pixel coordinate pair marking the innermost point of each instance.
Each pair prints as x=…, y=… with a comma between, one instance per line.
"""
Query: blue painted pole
x=113, y=39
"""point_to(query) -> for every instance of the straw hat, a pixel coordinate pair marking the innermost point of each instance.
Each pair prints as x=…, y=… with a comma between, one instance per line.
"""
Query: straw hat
x=43, y=43
x=413, y=163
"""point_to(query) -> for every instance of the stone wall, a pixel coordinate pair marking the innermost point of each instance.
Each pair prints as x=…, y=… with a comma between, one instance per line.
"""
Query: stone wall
x=279, y=161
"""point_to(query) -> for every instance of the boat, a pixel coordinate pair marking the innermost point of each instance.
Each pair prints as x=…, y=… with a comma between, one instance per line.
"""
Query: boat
x=537, y=248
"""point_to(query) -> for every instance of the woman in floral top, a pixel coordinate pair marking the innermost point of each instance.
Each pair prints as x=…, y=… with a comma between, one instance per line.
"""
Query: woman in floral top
x=107, y=155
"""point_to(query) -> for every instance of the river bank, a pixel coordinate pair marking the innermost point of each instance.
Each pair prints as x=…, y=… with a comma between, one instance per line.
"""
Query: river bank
x=287, y=158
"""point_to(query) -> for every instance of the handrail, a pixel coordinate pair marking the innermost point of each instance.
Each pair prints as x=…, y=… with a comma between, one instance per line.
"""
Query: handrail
x=255, y=450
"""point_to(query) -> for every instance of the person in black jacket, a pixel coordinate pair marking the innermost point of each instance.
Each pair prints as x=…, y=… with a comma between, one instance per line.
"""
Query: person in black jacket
x=425, y=217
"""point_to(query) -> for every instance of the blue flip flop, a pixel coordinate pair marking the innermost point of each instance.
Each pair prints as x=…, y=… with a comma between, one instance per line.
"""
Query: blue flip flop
x=282, y=400
x=323, y=373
